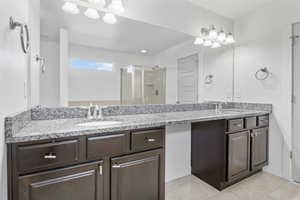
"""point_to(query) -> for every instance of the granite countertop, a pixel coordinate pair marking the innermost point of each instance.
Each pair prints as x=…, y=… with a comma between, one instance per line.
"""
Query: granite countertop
x=50, y=129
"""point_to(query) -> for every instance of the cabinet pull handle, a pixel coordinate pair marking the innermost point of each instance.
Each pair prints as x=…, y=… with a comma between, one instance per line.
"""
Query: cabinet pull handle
x=50, y=155
x=100, y=169
x=116, y=166
x=150, y=139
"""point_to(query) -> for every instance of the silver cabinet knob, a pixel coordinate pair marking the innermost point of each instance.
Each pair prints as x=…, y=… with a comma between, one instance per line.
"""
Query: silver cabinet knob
x=150, y=139
x=50, y=155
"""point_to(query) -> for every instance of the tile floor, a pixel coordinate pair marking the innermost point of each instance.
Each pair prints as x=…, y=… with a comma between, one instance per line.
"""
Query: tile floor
x=262, y=186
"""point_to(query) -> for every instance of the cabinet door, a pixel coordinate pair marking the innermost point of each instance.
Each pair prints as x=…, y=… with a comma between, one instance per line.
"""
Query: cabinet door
x=238, y=155
x=259, y=145
x=74, y=183
x=138, y=177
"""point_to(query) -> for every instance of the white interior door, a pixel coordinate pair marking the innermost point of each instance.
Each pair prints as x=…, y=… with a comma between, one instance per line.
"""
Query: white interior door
x=188, y=79
x=296, y=103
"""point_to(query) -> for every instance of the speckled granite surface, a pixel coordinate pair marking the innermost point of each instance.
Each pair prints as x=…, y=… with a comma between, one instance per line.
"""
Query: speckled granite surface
x=48, y=129
x=16, y=122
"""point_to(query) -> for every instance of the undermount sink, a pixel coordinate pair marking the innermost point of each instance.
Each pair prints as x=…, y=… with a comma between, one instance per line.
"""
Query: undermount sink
x=98, y=123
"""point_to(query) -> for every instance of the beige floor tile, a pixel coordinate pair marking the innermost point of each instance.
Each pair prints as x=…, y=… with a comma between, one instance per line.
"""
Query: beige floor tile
x=225, y=196
x=287, y=191
x=263, y=183
x=189, y=188
x=262, y=186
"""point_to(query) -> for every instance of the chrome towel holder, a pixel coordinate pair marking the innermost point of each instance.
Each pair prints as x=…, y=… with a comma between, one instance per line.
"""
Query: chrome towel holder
x=264, y=72
x=23, y=30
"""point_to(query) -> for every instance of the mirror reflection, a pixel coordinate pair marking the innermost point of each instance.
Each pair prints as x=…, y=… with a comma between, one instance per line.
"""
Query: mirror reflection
x=89, y=61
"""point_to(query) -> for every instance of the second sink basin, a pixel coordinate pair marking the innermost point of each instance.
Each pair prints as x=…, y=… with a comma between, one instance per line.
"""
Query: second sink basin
x=98, y=123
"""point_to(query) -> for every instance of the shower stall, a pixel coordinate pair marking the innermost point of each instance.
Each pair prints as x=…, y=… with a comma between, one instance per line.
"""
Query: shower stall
x=143, y=85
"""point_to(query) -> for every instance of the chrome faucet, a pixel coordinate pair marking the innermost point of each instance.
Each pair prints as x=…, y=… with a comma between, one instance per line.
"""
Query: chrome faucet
x=219, y=107
x=94, y=112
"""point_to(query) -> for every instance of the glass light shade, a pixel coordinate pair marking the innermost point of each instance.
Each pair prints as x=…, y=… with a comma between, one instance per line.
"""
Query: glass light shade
x=70, y=7
x=213, y=34
x=215, y=45
x=92, y=13
x=221, y=36
x=109, y=18
x=207, y=43
x=229, y=39
x=100, y=3
x=198, y=41
x=116, y=7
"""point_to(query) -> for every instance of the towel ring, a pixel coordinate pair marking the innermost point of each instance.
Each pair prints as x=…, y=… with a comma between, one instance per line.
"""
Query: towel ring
x=266, y=73
x=24, y=30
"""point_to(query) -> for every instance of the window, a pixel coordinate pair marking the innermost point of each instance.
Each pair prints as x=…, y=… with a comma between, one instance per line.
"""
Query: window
x=91, y=65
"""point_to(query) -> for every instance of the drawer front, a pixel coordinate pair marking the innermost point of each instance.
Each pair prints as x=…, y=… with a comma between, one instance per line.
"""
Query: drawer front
x=250, y=122
x=263, y=120
x=235, y=125
x=142, y=140
x=52, y=154
x=108, y=145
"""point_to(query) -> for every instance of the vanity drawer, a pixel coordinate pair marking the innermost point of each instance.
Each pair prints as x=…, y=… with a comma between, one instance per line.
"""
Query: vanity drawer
x=235, y=125
x=148, y=139
x=263, y=120
x=107, y=145
x=251, y=122
x=45, y=155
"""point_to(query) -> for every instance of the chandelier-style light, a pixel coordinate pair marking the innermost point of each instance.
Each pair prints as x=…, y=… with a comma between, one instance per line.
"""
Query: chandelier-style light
x=93, y=7
x=210, y=37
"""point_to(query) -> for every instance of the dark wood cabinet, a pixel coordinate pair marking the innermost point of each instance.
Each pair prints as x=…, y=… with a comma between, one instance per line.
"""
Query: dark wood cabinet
x=238, y=155
x=259, y=146
x=121, y=166
x=138, y=177
x=74, y=183
x=227, y=151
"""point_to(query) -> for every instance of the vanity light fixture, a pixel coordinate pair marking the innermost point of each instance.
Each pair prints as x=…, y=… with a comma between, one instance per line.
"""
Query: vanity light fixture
x=210, y=37
x=70, y=7
x=92, y=13
x=93, y=7
x=215, y=45
x=198, y=41
x=144, y=51
x=109, y=18
x=207, y=43
x=230, y=39
x=116, y=7
x=213, y=34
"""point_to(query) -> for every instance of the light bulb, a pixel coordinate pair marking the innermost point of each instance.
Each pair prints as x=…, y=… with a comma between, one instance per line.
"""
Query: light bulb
x=70, y=7
x=198, y=41
x=100, y=3
x=207, y=43
x=215, y=45
x=92, y=13
x=229, y=39
x=213, y=34
x=221, y=36
x=109, y=18
x=116, y=7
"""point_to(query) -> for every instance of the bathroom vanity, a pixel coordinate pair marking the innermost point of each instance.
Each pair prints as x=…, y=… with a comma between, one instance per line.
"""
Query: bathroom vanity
x=53, y=156
x=226, y=151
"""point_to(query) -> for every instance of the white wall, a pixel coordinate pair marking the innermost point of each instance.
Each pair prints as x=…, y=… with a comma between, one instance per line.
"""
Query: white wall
x=13, y=74
x=82, y=82
x=180, y=15
x=263, y=40
x=86, y=84
x=218, y=62
x=49, y=82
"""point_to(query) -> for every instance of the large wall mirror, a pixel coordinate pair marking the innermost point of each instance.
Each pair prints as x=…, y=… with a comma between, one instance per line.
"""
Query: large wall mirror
x=130, y=62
